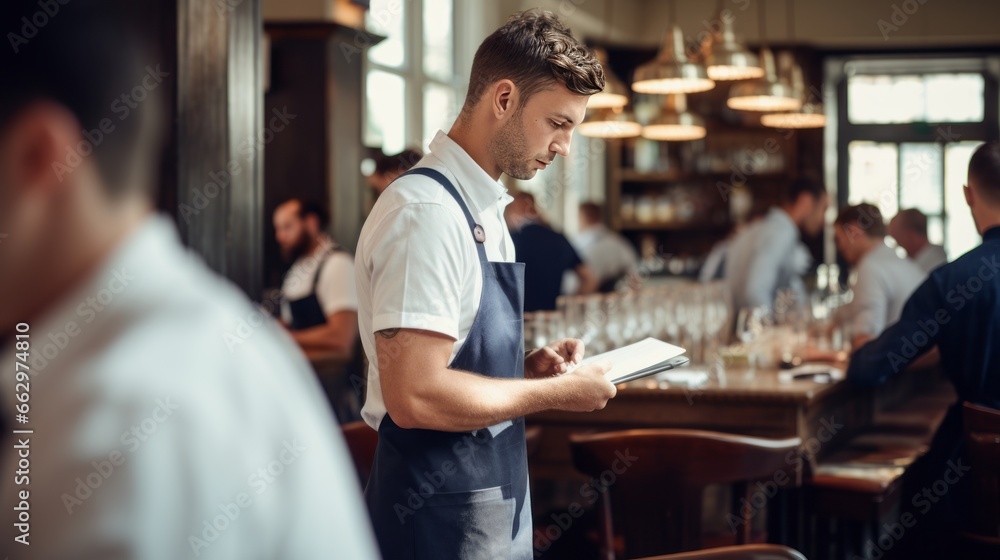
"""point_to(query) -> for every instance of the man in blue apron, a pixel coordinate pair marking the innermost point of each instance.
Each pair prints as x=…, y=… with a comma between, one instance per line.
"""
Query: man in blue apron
x=440, y=310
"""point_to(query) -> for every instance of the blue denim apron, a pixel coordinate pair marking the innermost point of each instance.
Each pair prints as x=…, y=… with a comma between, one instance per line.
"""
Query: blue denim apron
x=307, y=312
x=461, y=495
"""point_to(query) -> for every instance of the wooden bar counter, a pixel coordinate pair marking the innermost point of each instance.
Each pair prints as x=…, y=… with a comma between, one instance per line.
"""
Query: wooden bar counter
x=762, y=403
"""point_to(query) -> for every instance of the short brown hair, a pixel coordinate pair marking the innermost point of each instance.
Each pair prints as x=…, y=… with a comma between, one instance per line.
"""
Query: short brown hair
x=984, y=166
x=534, y=50
x=591, y=211
x=866, y=216
x=913, y=220
x=398, y=164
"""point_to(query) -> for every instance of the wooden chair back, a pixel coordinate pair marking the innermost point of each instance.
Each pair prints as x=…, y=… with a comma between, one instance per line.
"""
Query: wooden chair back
x=651, y=482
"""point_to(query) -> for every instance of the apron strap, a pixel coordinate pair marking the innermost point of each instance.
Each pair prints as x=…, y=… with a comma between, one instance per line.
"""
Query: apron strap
x=440, y=178
x=319, y=269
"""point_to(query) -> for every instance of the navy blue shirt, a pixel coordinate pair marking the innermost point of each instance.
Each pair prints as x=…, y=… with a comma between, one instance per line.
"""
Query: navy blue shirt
x=546, y=255
x=957, y=308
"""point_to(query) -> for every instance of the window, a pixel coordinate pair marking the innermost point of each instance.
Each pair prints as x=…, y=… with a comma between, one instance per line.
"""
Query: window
x=413, y=88
x=905, y=135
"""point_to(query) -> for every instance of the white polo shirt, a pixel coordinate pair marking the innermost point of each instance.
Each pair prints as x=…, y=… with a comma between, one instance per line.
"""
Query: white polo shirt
x=162, y=399
x=416, y=261
x=884, y=283
x=335, y=287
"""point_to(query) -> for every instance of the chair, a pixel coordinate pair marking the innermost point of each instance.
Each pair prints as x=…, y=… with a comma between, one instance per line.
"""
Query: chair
x=652, y=481
x=982, y=443
x=361, y=441
x=742, y=552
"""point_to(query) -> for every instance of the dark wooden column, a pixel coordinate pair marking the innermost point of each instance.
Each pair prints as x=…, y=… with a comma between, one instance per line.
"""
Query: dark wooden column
x=316, y=75
x=217, y=135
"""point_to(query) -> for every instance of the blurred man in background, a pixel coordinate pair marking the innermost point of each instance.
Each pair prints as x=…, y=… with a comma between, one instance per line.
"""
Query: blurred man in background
x=547, y=255
x=387, y=168
x=608, y=255
x=884, y=279
x=768, y=256
x=909, y=229
x=319, y=301
x=956, y=310
x=152, y=438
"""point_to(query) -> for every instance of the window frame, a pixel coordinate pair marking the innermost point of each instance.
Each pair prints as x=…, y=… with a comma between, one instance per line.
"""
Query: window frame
x=412, y=71
x=838, y=138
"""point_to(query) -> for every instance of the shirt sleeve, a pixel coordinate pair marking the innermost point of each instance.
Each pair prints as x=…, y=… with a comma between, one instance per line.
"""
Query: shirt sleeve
x=912, y=336
x=336, y=289
x=421, y=264
x=766, y=265
x=870, y=305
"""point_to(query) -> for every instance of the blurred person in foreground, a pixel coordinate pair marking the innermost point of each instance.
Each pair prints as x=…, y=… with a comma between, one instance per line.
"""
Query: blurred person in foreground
x=152, y=440
x=909, y=229
x=768, y=256
x=387, y=168
x=956, y=310
x=440, y=298
x=547, y=256
x=610, y=257
x=319, y=302
x=884, y=279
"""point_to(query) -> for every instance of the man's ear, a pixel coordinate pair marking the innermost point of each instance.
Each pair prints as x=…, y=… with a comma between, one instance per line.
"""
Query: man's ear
x=970, y=197
x=43, y=147
x=504, y=98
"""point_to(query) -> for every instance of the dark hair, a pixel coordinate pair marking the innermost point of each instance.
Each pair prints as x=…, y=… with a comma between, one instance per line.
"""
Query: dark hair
x=398, y=163
x=591, y=211
x=804, y=185
x=913, y=220
x=84, y=55
x=865, y=216
x=533, y=50
x=984, y=167
x=308, y=207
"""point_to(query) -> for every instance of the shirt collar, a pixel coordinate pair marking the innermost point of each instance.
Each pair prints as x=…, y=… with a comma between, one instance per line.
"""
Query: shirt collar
x=992, y=233
x=481, y=189
x=778, y=215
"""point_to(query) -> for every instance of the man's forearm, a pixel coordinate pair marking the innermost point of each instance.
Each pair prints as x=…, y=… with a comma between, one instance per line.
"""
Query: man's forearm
x=459, y=401
x=321, y=337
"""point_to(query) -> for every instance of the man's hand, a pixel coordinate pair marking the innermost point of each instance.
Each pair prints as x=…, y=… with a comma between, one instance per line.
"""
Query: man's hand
x=586, y=389
x=554, y=358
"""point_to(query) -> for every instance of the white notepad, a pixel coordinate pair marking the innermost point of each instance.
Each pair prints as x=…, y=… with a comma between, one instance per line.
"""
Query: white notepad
x=646, y=357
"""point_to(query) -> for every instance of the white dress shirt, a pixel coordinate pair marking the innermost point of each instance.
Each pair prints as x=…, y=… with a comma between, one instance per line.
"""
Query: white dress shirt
x=416, y=261
x=766, y=257
x=884, y=283
x=173, y=419
x=930, y=257
x=335, y=290
x=607, y=253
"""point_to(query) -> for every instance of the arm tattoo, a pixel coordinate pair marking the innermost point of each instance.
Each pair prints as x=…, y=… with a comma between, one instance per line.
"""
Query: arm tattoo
x=388, y=333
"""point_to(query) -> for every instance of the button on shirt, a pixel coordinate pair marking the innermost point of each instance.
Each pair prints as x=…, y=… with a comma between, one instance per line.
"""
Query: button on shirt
x=764, y=258
x=884, y=283
x=170, y=396
x=335, y=289
x=930, y=257
x=416, y=263
x=956, y=308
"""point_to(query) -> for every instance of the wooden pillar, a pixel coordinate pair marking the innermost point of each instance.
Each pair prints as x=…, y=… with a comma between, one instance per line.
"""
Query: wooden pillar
x=218, y=107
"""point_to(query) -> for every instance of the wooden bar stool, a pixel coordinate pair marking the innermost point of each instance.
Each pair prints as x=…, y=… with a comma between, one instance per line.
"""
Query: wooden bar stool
x=651, y=482
x=741, y=552
x=982, y=443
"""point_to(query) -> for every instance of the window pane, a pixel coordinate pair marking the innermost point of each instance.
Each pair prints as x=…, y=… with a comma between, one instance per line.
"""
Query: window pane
x=386, y=111
x=439, y=110
x=921, y=180
x=879, y=99
x=387, y=18
x=885, y=99
x=954, y=97
x=960, y=231
x=935, y=230
x=438, y=41
x=873, y=175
